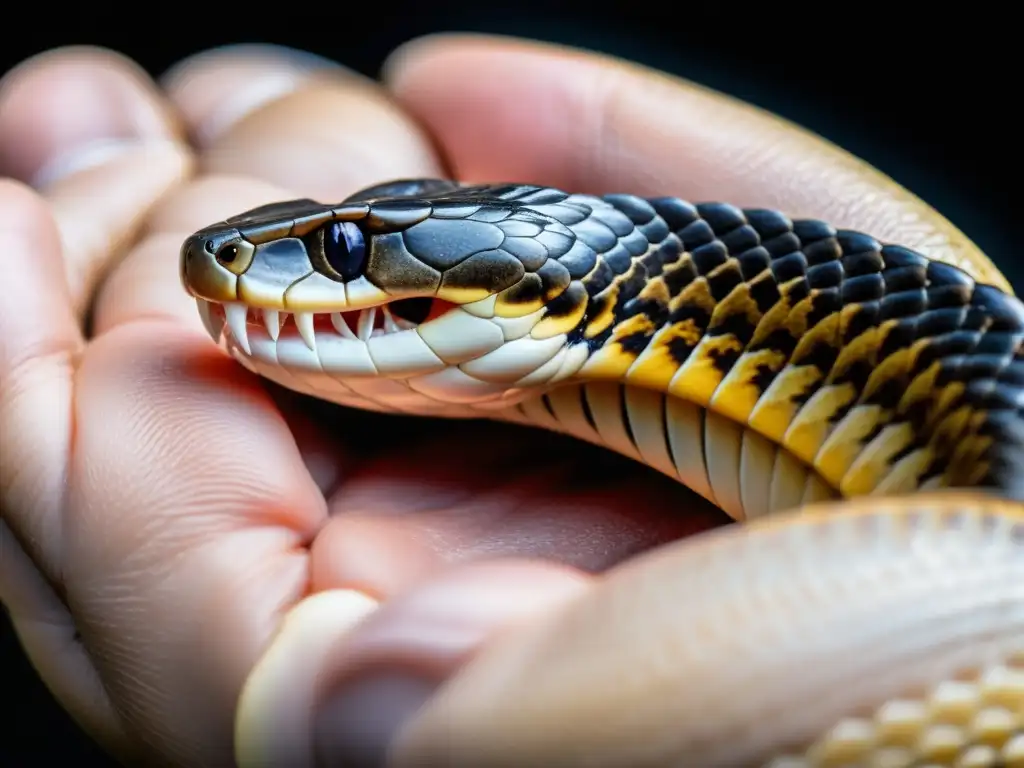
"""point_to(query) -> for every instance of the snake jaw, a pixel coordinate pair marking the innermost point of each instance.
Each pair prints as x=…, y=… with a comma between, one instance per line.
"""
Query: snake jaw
x=452, y=361
x=237, y=319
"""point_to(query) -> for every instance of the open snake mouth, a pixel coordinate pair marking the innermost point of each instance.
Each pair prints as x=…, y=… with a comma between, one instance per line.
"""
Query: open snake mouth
x=282, y=327
x=415, y=355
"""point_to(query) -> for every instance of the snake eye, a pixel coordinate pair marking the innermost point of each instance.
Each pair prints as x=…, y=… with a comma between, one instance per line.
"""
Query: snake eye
x=227, y=254
x=345, y=249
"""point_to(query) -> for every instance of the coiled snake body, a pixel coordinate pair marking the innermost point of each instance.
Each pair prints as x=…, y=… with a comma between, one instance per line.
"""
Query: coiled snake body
x=766, y=363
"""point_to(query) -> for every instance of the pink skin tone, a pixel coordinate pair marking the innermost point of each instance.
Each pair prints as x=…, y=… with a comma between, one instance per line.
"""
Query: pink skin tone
x=172, y=508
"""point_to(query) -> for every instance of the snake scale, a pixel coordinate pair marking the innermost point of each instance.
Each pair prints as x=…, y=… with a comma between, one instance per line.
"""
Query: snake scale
x=769, y=364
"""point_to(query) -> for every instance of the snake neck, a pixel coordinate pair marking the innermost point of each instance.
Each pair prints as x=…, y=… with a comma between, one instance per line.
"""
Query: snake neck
x=766, y=363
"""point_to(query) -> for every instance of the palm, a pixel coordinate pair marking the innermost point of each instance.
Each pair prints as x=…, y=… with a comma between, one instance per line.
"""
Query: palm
x=165, y=510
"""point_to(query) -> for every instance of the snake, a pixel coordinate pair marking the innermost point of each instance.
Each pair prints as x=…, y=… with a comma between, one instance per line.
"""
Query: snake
x=769, y=364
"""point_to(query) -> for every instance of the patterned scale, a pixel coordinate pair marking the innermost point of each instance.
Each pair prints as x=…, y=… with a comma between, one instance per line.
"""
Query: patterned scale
x=875, y=369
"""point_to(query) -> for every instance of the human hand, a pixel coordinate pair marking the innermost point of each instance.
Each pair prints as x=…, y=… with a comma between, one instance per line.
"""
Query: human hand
x=198, y=510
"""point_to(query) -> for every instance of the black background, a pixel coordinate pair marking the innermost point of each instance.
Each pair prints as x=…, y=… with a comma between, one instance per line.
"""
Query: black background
x=930, y=101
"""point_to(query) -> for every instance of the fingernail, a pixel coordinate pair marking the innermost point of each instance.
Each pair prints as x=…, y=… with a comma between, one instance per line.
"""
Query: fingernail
x=265, y=51
x=217, y=88
x=403, y=654
x=272, y=721
x=355, y=727
x=80, y=158
x=256, y=93
x=342, y=676
x=65, y=113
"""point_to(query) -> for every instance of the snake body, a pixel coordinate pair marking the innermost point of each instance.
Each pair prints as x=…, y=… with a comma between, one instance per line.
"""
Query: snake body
x=769, y=364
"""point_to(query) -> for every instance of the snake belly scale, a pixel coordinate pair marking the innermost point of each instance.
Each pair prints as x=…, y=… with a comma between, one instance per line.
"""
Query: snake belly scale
x=769, y=364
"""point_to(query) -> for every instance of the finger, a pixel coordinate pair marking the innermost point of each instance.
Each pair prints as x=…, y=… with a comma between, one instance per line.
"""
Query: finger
x=156, y=433
x=699, y=654
x=216, y=88
x=47, y=634
x=70, y=108
x=359, y=135
x=39, y=352
x=189, y=511
x=517, y=111
x=328, y=694
x=90, y=130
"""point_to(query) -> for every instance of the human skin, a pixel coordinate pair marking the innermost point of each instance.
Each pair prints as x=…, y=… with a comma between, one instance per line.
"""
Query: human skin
x=199, y=567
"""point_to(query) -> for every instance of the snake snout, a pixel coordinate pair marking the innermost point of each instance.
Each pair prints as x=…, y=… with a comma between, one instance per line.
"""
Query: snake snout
x=210, y=265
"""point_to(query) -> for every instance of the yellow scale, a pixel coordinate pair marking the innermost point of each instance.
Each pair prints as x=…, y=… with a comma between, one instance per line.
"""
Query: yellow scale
x=733, y=399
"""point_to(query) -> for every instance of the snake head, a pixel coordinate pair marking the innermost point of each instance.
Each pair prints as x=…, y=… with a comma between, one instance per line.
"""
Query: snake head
x=461, y=291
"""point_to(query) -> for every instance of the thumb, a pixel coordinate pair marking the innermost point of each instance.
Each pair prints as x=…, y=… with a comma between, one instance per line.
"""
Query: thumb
x=881, y=634
x=342, y=674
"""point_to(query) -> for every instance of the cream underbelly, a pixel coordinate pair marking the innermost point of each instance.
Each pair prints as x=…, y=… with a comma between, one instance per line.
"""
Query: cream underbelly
x=729, y=464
